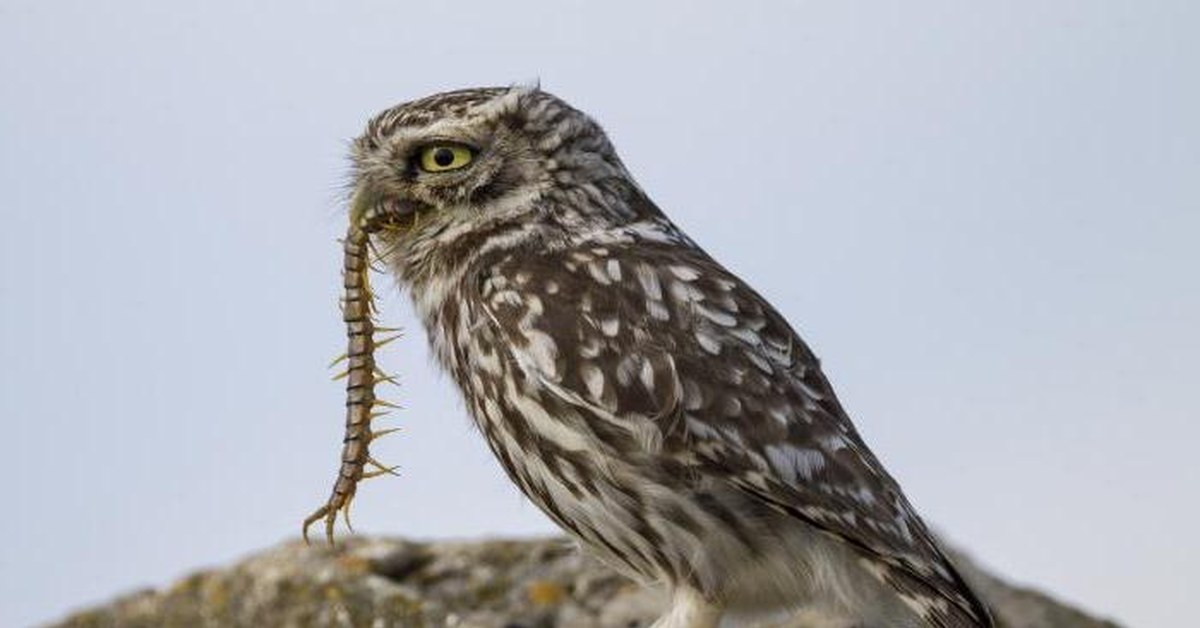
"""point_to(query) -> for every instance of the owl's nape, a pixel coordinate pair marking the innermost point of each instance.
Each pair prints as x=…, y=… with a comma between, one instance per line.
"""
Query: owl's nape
x=646, y=399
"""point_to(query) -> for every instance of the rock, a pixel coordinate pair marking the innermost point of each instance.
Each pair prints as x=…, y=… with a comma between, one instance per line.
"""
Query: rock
x=385, y=583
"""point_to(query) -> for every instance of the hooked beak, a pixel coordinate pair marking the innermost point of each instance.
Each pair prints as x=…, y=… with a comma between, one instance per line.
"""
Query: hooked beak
x=371, y=211
x=361, y=206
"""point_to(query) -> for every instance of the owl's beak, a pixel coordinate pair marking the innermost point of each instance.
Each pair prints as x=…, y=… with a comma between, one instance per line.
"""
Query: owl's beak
x=372, y=212
x=361, y=204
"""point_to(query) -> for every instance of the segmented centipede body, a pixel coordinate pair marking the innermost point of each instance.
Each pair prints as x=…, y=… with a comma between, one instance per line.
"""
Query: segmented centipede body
x=361, y=375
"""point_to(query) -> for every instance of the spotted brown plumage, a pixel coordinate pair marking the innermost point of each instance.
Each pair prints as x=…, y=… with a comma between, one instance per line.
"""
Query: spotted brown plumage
x=645, y=398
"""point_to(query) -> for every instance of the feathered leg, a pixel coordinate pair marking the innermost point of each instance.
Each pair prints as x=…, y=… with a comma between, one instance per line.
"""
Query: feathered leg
x=689, y=609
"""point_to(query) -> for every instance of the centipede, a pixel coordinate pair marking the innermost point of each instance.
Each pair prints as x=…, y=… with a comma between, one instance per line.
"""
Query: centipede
x=361, y=374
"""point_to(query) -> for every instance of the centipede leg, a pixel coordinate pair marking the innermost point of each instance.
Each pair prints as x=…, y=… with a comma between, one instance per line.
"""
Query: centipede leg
x=361, y=374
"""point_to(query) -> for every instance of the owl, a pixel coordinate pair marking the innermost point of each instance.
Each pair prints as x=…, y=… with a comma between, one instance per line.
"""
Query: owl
x=645, y=398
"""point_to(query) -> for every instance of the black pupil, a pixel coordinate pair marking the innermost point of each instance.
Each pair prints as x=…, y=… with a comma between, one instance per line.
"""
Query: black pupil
x=443, y=157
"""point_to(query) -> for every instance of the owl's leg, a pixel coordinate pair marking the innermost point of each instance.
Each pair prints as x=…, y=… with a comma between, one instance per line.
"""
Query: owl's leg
x=689, y=609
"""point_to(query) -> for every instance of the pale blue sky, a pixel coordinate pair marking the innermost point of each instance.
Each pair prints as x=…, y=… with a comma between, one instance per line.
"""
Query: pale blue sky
x=985, y=219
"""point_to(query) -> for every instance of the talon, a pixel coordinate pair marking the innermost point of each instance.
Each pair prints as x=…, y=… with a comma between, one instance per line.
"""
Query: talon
x=338, y=360
x=387, y=404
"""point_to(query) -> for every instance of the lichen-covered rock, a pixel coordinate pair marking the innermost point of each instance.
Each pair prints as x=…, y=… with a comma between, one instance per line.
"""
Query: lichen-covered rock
x=385, y=583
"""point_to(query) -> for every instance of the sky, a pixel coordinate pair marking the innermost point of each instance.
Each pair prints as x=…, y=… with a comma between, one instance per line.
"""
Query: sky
x=985, y=218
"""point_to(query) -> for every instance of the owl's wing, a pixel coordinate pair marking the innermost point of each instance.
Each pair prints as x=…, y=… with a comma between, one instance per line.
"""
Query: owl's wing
x=674, y=359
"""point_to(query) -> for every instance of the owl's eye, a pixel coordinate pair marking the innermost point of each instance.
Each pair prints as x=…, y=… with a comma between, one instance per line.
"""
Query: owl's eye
x=444, y=157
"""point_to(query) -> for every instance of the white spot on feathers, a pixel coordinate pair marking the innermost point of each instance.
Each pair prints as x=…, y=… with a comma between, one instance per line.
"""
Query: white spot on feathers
x=685, y=293
x=708, y=342
x=593, y=378
x=543, y=351
x=686, y=273
x=614, y=269
x=658, y=311
x=610, y=326
x=724, y=319
x=598, y=274
x=794, y=463
x=648, y=277
x=647, y=375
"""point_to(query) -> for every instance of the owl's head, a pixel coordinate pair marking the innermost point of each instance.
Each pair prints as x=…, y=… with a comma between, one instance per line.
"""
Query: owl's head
x=460, y=167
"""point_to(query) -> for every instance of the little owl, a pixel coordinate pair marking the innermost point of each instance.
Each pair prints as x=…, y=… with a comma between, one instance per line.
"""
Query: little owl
x=649, y=401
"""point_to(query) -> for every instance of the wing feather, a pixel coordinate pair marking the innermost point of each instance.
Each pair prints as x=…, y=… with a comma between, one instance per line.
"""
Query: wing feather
x=703, y=372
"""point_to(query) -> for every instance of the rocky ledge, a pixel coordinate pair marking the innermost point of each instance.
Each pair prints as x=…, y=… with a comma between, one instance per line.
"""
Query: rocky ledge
x=385, y=583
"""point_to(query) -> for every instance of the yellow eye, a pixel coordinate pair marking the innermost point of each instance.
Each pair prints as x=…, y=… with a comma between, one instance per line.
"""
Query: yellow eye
x=444, y=157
